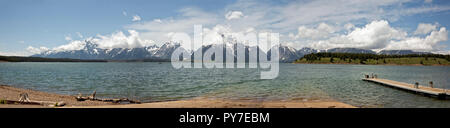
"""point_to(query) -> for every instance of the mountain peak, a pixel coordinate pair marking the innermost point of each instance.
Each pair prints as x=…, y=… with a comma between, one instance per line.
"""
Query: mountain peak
x=400, y=52
x=287, y=54
x=350, y=50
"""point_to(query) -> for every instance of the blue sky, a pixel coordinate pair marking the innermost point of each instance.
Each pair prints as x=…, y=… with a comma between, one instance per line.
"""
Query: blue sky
x=318, y=24
x=47, y=22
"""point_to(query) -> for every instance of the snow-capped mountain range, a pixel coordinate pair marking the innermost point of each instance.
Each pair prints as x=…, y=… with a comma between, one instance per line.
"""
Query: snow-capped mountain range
x=92, y=51
x=164, y=52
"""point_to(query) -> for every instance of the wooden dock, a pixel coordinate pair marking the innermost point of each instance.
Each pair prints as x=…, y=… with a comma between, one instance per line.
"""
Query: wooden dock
x=425, y=90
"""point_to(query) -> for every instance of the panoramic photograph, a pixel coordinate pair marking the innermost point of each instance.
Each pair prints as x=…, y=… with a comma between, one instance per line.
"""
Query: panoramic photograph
x=224, y=54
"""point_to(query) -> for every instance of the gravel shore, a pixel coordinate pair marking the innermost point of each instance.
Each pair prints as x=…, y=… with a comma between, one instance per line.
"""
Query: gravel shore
x=12, y=93
x=217, y=103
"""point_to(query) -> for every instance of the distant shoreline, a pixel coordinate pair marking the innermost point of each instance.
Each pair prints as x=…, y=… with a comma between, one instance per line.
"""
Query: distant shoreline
x=12, y=93
x=39, y=59
x=377, y=64
x=374, y=59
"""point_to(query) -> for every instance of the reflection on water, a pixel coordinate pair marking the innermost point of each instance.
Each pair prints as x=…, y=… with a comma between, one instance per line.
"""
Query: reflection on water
x=160, y=82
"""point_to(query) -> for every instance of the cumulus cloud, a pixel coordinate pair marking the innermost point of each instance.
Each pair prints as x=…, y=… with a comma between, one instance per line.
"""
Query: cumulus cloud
x=379, y=35
x=115, y=40
x=158, y=29
x=349, y=26
x=214, y=35
x=157, y=20
x=287, y=17
x=424, y=28
x=73, y=45
x=421, y=44
x=321, y=31
x=79, y=35
x=220, y=33
x=234, y=15
x=14, y=53
x=120, y=40
x=297, y=20
x=68, y=38
x=375, y=35
x=36, y=50
x=293, y=17
x=136, y=18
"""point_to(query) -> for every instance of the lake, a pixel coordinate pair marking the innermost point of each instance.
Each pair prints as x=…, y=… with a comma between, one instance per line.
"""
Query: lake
x=150, y=82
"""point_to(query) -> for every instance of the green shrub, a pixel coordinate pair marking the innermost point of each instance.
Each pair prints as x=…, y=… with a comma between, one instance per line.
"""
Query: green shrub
x=3, y=101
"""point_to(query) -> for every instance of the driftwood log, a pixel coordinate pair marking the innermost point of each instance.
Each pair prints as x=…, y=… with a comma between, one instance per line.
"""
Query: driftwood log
x=19, y=102
x=25, y=99
x=80, y=97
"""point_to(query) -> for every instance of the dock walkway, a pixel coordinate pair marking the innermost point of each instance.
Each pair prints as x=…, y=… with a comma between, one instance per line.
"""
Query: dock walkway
x=428, y=91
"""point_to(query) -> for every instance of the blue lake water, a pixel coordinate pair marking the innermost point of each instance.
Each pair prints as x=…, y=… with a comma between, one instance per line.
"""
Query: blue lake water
x=151, y=82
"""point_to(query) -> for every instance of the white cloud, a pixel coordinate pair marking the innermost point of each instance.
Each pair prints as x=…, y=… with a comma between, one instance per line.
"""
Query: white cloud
x=424, y=28
x=396, y=13
x=442, y=52
x=36, y=50
x=304, y=22
x=14, y=53
x=421, y=44
x=379, y=35
x=321, y=31
x=115, y=40
x=286, y=17
x=120, y=40
x=79, y=34
x=349, y=26
x=136, y=18
x=289, y=17
x=158, y=29
x=68, y=38
x=428, y=1
x=375, y=35
x=234, y=15
x=73, y=45
x=157, y=20
x=214, y=35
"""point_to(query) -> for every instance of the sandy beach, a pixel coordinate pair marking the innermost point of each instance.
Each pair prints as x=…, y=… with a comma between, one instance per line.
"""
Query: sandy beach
x=12, y=93
x=210, y=103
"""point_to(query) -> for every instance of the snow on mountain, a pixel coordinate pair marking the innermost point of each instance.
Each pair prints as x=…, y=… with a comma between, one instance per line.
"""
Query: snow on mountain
x=400, y=52
x=90, y=50
x=350, y=50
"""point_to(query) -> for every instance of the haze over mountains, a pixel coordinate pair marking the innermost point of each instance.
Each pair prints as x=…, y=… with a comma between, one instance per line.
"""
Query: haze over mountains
x=91, y=51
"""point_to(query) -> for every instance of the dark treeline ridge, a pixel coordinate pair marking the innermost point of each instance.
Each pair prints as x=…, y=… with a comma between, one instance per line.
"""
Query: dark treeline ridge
x=39, y=59
x=366, y=56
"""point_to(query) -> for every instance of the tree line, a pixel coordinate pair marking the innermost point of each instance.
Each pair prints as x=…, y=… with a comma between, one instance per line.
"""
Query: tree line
x=366, y=56
x=39, y=59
